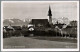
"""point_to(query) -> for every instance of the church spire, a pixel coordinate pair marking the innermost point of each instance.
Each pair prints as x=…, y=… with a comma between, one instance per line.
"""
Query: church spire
x=49, y=12
x=50, y=15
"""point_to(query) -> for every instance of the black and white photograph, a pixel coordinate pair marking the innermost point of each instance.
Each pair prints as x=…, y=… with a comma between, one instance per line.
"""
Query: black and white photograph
x=40, y=25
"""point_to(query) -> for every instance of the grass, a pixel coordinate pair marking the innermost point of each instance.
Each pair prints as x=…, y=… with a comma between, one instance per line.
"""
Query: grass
x=60, y=39
x=28, y=42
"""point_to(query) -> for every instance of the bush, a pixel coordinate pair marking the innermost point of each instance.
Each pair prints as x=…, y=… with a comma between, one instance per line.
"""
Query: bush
x=17, y=33
x=4, y=34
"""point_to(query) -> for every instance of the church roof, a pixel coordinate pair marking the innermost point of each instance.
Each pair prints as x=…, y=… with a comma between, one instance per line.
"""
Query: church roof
x=39, y=21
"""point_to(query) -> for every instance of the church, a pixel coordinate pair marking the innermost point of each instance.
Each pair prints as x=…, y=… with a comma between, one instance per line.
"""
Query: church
x=43, y=22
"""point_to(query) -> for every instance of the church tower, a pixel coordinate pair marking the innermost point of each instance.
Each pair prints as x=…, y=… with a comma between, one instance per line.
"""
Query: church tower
x=50, y=15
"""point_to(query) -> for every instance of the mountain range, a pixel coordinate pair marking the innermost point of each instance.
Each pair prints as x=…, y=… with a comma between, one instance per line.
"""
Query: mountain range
x=18, y=22
x=14, y=22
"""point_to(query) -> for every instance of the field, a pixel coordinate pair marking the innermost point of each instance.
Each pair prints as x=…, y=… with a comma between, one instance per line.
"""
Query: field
x=38, y=42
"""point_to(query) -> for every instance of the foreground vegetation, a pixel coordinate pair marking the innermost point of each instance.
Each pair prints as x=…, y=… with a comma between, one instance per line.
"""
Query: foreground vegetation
x=25, y=32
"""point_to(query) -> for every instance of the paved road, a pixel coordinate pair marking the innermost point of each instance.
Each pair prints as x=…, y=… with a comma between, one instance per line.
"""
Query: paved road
x=28, y=42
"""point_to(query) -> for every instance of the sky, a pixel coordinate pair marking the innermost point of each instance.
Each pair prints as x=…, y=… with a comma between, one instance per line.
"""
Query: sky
x=39, y=10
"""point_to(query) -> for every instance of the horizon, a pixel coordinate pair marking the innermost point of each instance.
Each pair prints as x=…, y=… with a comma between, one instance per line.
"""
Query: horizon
x=61, y=20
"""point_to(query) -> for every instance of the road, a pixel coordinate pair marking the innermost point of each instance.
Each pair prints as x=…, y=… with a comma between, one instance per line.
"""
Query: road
x=28, y=42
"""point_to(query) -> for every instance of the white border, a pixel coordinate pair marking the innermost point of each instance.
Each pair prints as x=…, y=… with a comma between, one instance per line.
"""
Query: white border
x=37, y=49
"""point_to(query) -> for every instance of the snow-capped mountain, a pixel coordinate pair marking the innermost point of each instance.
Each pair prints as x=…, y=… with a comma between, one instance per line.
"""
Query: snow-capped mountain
x=14, y=22
x=61, y=20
